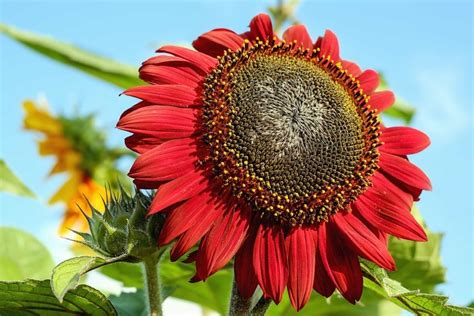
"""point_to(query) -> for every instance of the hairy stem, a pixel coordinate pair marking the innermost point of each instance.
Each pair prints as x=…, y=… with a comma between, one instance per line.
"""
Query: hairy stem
x=238, y=306
x=151, y=265
x=261, y=307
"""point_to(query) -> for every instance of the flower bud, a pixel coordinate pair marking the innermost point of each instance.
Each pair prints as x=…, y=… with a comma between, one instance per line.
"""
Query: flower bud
x=124, y=227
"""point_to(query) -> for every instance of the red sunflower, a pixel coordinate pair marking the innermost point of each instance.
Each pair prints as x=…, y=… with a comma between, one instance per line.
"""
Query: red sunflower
x=271, y=150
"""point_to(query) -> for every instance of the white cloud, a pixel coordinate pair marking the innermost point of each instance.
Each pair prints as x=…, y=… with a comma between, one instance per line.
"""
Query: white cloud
x=443, y=115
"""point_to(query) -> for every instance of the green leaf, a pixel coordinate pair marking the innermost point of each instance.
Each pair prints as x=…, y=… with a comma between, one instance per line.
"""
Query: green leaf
x=400, y=109
x=10, y=183
x=129, y=274
x=123, y=76
x=67, y=274
x=33, y=297
x=130, y=304
x=422, y=260
x=416, y=302
x=22, y=256
x=214, y=293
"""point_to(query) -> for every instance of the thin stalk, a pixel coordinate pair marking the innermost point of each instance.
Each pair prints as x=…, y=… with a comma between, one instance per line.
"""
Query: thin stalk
x=238, y=306
x=151, y=265
x=261, y=307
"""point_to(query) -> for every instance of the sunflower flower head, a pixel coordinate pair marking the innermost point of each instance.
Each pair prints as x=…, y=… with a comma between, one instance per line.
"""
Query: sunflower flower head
x=80, y=152
x=271, y=150
x=54, y=142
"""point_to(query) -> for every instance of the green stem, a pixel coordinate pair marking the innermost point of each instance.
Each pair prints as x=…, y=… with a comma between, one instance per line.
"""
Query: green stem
x=151, y=265
x=261, y=307
x=238, y=306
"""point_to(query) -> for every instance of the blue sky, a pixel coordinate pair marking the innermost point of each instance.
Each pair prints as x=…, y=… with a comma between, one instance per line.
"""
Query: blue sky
x=424, y=48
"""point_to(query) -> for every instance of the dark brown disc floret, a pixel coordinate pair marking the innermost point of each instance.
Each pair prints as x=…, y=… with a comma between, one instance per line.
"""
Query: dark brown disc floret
x=289, y=131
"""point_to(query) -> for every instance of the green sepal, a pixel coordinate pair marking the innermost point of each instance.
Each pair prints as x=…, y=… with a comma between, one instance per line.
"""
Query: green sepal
x=124, y=227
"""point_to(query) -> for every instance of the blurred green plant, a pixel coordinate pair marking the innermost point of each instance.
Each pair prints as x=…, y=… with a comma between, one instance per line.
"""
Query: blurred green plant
x=10, y=183
x=283, y=12
x=400, y=109
x=22, y=256
x=130, y=304
x=376, y=279
x=102, y=68
x=81, y=152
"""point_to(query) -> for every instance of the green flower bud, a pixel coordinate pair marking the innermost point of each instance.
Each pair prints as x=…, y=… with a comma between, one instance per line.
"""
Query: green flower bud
x=124, y=227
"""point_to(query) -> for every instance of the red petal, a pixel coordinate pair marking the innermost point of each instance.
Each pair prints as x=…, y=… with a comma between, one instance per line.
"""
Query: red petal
x=403, y=140
x=405, y=171
x=300, y=249
x=203, y=61
x=178, y=190
x=186, y=216
x=215, y=42
x=270, y=261
x=381, y=235
x=190, y=237
x=385, y=200
x=391, y=191
x=323, y=282
x=169, y=94
x=369, y=81
x=414, y=192
x=261, y=27
x=244, y=272
x=170, y=61
x=363, y=241
x=168, y=161
x=222, y=242
x=382, y=100
x=344, y=264
x=141, y=143
x=388, y=218
x=300, y=34
x=163, y=122
x=330, y=46
x=178, y=72
x=352, y=68
x=139, y=105
x=318, y=42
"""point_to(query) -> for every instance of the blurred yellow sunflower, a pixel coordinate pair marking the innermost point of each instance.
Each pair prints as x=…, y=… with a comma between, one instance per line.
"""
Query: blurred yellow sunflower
x=80, y=151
